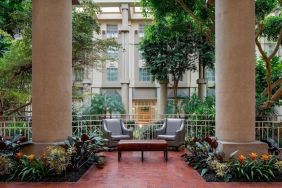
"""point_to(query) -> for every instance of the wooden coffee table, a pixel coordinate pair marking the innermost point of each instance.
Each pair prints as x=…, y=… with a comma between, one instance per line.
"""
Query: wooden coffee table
x=142, y=145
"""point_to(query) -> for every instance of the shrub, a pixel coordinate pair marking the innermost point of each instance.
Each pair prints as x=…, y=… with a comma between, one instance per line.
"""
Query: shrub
x=254, y=167
x=85, y=149
x=6, y=165
x=202, y=152
x=58, y=159
x=29, y=168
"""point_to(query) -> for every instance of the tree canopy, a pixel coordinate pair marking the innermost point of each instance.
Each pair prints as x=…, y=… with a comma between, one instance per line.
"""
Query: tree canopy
x=16, y=48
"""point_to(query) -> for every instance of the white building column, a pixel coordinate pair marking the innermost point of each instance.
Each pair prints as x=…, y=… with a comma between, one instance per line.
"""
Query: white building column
x=125, y=57
x=235, y=77
x=51, y=71
x=202, y=83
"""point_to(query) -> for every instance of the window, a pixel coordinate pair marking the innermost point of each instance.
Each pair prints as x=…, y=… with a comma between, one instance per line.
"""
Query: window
x=113, y=53
x=144, y=75
x=112, y=31
x=78, y=74
x=141, y=58
x=141, y=30
x=112, y=74
x=210, y=75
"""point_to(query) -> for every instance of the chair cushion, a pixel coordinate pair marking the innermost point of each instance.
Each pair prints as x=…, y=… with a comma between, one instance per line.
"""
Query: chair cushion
x=114, y=125
x=172, y=126
x=120, y=137
x=166, y=137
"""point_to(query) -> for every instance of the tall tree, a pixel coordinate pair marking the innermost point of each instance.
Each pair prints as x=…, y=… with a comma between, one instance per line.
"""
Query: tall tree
x=269, y=26
x=200, y=17
x=202, y=14
x=169, y=53
x=15, y=55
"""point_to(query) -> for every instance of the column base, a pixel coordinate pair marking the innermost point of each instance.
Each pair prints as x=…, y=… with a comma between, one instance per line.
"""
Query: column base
x=39, y=148
x=244, y=148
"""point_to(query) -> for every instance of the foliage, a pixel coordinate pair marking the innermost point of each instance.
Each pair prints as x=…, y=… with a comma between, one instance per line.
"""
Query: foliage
x=11, y=147
x=88, y=50
x=263, y=112
x=222, y=170
x=278, y=165
x=6, y=165
x=29, y=168
x=5, y=42
x=197, y=11
x=254, y=167
x=58, y=159
x=202, y=151
x=102, y=103
x=276, y=72
x=85, y=149
x=15, y=55
x=195, y=106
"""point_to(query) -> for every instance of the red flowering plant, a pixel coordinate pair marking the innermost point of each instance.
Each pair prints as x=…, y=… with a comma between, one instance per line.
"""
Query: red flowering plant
x=201, y=152
x=84, y=149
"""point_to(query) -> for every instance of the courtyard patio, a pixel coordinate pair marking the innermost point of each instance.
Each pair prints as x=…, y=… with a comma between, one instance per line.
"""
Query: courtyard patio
x=132, y=173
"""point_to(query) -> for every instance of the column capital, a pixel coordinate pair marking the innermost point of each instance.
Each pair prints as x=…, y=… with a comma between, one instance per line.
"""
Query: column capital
x=124, y=6
x=124, y=29
x=201, y=81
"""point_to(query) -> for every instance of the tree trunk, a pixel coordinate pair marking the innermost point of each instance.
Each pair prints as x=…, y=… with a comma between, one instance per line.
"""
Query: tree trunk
x=1, y=108
x=175, y=90
x=268, y=79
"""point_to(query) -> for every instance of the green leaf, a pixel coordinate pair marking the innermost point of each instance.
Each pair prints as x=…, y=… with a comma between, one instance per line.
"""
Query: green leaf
x=204, y=171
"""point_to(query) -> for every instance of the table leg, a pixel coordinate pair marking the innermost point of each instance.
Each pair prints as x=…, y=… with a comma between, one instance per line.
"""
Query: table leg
x=166, y=155
x=119, y=155
x=142, y=154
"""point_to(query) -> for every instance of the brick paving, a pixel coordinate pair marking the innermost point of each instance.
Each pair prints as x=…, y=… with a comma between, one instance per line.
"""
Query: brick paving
x=130, y=172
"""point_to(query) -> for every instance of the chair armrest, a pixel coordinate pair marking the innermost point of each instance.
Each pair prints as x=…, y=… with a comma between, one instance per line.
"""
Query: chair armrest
x=106, y=131
x=127, y=131
x=160, y=131
x=180, y=133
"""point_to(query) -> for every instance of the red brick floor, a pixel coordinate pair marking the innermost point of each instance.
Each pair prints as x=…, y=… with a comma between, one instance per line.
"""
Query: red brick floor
x=130, y=172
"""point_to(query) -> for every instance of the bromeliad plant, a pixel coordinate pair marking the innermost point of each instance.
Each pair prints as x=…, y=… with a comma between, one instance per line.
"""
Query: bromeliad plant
x=85, y=149
x=255, y=167
x=29, y=168
x=202, y=156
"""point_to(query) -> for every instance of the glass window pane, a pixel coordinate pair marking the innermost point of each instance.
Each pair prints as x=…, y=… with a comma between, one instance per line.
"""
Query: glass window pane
x=141, y=30
x=144, y=75
x=112, y=74
x=210, y=74
x=78, y=74
x=112, y=31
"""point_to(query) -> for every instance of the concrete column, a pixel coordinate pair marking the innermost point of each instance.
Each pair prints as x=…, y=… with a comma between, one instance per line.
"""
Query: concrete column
x=162, y=98
x=235, y=77
x=125, y=58
x=51, y=71
x=202, y=83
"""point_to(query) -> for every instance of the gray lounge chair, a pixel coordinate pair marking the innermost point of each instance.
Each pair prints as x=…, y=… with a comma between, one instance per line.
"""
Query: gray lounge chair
x=114, y=131
x=173, y=132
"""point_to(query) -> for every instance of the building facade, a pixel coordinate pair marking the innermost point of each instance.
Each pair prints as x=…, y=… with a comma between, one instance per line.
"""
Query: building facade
x=127, y=75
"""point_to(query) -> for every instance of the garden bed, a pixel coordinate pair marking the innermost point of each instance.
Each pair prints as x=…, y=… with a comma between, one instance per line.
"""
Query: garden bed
x=202, y=156
x=65, y=163
x=211, y=177
x=68, y=176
